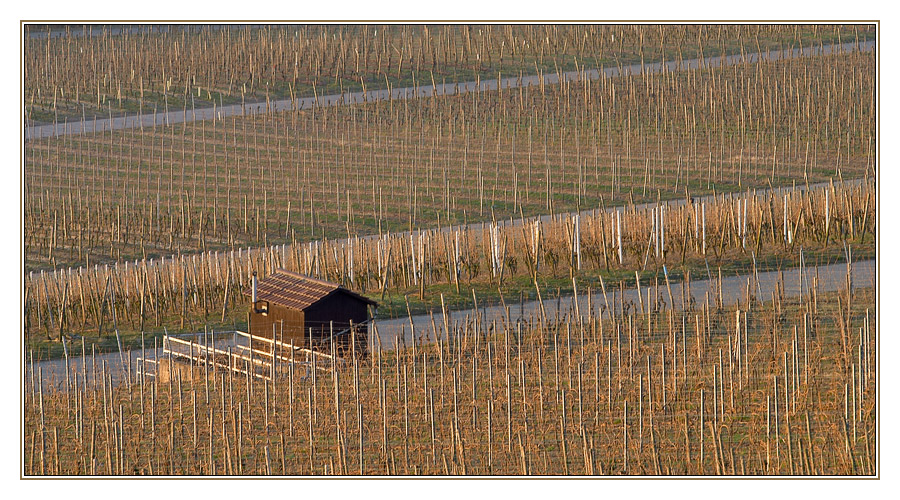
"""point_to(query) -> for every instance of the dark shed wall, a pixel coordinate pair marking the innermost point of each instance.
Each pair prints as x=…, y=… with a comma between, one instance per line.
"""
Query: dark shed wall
x=340, y=309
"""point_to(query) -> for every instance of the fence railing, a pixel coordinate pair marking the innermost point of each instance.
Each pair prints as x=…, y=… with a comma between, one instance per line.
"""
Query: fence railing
x=276, y=358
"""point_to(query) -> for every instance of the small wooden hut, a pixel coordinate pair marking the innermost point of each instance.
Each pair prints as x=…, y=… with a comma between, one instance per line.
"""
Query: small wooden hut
x=311, y=313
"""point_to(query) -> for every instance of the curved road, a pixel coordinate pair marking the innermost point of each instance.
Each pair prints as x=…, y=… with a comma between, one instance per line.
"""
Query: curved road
x=181, y=116
x=393, y=332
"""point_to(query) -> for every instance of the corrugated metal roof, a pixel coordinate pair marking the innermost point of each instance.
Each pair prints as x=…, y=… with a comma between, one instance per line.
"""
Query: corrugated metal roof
x=297, y=291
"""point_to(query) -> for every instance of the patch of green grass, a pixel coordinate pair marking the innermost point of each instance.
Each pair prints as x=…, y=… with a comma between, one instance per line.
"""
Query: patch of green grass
x=521, y=287
x=42, y=347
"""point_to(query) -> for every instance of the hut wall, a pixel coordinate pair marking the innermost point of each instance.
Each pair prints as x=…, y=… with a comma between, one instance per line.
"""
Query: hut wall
x=340, y=309
x=292, y=320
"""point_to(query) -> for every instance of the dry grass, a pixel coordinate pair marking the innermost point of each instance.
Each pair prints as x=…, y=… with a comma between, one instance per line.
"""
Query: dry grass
x=762, y=388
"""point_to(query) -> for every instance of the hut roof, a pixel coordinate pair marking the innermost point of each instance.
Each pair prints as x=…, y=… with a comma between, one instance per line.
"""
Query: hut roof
x=298, y=291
